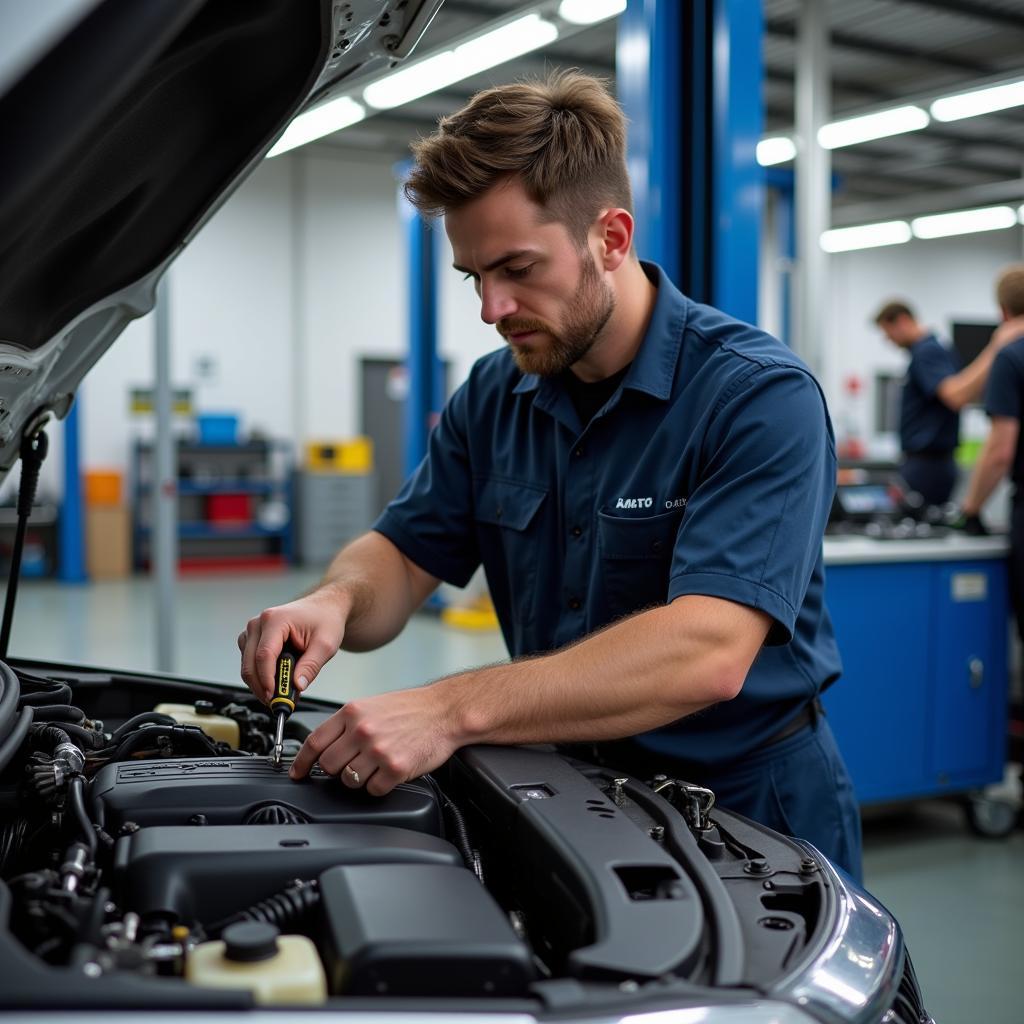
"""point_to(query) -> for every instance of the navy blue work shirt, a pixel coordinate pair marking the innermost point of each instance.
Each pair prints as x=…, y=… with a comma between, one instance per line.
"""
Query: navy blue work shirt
x=710, y=471
x=927, y=424
x=1004, y=396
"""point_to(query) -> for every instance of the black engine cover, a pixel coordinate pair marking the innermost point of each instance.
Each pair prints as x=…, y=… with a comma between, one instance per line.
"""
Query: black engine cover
x=239, y=791
x=204, y=874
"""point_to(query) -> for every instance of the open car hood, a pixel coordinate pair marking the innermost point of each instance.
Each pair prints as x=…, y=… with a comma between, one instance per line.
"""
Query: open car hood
x=126, y=127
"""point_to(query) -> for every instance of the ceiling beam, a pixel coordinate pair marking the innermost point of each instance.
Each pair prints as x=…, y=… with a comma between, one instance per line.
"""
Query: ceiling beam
x=847, y=40
x=1010, y=191
x=976, y=10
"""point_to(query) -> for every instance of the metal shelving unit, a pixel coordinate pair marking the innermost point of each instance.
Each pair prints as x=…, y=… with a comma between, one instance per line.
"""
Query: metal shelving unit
x=258, y=471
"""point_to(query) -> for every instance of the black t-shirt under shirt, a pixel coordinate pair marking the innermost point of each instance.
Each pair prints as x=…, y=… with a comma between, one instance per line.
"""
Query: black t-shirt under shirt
x=589, y=397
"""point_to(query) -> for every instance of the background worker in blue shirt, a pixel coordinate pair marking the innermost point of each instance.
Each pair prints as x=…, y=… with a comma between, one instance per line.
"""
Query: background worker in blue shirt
x=645, y=480
x=934, y=392
x=1003, y=453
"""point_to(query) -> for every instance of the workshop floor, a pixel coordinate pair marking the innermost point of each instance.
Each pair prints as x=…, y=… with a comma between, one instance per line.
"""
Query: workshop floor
x=959, y=899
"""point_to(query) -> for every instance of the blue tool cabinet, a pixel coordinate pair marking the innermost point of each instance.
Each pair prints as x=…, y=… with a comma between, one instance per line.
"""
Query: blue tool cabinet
x=921, y=708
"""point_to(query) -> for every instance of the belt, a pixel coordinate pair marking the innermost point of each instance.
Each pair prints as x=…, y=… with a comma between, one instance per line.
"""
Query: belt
x=807, y=715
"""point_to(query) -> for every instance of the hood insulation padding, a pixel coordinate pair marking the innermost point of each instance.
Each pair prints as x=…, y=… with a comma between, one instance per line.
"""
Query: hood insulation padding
x=127, y=132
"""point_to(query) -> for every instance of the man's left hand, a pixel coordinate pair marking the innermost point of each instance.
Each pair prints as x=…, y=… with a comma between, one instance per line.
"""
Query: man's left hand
x=379, y=742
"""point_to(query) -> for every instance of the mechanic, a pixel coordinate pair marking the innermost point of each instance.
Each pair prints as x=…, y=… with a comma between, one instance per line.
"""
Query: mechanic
x=645, y=480
x=1003, y=453
x=933, y=394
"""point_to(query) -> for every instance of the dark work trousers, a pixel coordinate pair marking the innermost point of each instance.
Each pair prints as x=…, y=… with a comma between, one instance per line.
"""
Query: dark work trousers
x=1017, y=562
x=933, y=476
x=798, y=786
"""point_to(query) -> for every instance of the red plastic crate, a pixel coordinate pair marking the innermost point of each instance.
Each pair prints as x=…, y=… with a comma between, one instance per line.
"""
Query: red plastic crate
x=229, y=508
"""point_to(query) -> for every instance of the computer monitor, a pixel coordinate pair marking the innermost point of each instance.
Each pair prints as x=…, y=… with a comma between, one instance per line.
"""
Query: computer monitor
x=970, y=339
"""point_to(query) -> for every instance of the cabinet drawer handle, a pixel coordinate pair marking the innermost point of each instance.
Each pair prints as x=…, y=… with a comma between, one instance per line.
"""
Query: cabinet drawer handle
x=976, y=669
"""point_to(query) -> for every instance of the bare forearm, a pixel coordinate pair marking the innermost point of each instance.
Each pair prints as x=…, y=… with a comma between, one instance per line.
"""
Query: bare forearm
x=988, y=471
x=639, y=674
x=376, y=588
x=966, y=386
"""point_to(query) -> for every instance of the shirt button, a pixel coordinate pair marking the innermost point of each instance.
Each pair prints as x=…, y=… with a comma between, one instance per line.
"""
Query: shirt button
x=499, y=512
x=656, y=545
x=578, y=453
x=575, y=604
x=577, y=531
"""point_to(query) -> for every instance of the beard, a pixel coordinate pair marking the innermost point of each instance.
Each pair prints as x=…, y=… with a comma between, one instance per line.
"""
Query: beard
x=590, y=309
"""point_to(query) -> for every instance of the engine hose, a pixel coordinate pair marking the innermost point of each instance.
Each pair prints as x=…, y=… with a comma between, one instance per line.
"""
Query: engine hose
x=13, y=741
x=147, y=717
x=287, y=910
x=58, y=713
x=77, y=791
x=10, y=694
x=88, y=738
x=138, y=740
x=461, y=837
x=47, y=738
x=60, y=694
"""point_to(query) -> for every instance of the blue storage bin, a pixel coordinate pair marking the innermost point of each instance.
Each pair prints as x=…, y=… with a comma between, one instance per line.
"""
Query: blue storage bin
x=217, y=428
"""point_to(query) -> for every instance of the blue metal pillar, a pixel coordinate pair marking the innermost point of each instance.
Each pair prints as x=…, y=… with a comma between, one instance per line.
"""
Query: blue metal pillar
x=648, y=75
x=738, y=122
x=71, y=545
x=425, y=376
x=689, y=77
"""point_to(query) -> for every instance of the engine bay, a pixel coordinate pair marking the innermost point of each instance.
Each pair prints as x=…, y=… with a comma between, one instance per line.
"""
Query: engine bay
x=151, y=853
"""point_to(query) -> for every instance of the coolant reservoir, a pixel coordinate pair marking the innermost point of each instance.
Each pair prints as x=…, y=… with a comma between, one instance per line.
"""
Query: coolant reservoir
x=278, y=969
x=217, y=727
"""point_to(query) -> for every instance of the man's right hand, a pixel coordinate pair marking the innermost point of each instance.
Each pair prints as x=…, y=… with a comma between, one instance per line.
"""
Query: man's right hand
x=315, y=626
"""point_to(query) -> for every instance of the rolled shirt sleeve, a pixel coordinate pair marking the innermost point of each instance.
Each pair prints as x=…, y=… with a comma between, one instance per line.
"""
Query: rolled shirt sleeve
x=431, y=519
x=752, y=529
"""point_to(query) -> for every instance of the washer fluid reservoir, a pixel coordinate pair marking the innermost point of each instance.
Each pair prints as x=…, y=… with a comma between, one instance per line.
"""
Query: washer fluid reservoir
x=217, y=727
x=283, y=970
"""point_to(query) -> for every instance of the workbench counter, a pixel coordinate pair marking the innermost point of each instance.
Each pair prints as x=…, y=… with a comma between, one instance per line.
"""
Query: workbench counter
x=954, y=547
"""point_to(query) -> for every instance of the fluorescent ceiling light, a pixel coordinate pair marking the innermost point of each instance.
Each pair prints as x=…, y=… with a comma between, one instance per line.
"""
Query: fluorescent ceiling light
x=589, y=12
x=776, y=149
x=978, y=101
x=964, y=222
x=872, y=126
x=471, y=58
x=866, y=236
x=320, y=121
x=1020, y=214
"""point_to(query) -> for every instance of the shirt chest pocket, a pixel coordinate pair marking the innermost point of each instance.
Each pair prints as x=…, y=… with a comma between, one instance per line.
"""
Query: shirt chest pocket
x=636, y=556
x=508, y=524
x=507, y=503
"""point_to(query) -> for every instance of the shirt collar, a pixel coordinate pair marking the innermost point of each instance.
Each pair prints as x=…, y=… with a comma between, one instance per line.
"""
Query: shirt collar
x=654, y=366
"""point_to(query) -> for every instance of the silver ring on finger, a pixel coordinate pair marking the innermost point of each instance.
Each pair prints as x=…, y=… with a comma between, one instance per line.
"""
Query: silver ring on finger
x=352, y=773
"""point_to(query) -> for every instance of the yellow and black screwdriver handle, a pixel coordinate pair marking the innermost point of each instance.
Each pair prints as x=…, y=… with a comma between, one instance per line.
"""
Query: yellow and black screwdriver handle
x=285, y=694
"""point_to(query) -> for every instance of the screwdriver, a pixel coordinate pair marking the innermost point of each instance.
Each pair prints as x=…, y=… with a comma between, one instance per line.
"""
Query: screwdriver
x=282, y=704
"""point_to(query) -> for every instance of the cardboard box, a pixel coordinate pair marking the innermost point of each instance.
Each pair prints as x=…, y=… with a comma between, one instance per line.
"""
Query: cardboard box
x=108, y=550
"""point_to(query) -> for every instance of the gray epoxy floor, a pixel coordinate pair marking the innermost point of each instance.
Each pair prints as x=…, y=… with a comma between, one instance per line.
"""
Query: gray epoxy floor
x=960, y=900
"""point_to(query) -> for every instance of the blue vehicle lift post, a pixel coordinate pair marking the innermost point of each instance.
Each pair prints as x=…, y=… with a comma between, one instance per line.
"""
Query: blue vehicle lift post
x=690, y=79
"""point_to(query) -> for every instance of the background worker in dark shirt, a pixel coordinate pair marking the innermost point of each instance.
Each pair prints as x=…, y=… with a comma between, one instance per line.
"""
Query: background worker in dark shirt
x=1003, y=454
x=934, y=392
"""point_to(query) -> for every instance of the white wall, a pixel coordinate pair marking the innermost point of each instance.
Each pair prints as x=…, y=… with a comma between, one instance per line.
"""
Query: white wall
x=301, y=273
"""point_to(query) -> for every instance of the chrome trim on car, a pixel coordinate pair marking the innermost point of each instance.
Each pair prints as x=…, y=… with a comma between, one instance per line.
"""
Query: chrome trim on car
x=855, y=975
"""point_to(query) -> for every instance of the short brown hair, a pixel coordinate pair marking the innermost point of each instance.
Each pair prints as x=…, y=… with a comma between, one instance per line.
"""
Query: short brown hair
x=893, y=311
x=1010, y=289
x=564, y=138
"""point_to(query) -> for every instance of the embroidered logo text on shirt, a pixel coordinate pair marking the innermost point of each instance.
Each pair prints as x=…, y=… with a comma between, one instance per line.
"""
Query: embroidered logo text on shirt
x=634, y=503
